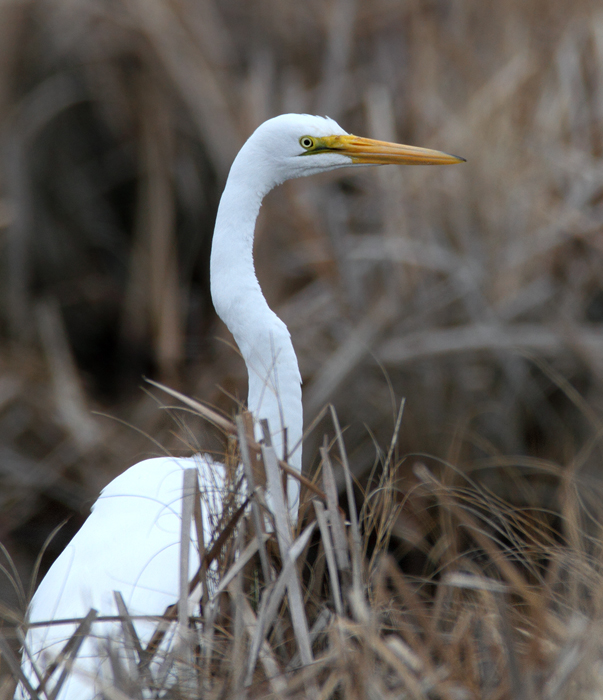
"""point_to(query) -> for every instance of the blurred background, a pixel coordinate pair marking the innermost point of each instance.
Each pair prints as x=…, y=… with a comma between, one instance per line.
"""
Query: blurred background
x=475, y=292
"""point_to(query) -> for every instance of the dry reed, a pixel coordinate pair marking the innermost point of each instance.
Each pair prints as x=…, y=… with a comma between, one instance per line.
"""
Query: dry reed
x=508, y=604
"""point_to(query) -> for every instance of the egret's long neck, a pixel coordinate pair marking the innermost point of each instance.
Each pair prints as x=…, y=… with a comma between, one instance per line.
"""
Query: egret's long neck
x=263, y=339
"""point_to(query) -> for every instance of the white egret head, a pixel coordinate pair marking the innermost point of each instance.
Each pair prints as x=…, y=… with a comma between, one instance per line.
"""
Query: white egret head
x=295, y=145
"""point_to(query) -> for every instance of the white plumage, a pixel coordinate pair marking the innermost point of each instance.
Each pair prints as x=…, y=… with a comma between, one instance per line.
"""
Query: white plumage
x=130, y=542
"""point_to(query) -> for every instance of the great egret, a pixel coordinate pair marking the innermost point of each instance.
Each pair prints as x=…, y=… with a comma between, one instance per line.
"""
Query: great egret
x=130, y=542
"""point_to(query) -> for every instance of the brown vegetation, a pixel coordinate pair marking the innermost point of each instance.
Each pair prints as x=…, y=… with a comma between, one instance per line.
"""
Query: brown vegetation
x=475, y=292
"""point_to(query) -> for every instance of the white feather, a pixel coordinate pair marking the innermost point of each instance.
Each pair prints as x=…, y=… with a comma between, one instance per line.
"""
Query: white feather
x=130, y=542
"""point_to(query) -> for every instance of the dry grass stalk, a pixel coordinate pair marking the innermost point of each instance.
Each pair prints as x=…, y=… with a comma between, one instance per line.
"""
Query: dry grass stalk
x=513, y=614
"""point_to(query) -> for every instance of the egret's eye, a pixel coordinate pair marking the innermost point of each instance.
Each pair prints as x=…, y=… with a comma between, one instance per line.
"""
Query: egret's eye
x=306, y=142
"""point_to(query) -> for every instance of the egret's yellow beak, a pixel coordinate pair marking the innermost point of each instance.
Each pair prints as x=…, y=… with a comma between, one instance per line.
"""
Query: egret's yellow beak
x=362, y=150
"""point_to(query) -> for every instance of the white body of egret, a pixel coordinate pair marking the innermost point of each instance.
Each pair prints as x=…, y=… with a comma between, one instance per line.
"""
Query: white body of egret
x=130, y=542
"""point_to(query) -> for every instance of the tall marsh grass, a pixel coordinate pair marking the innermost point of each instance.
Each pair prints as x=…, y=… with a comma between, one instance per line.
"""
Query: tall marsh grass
x=474, y=292
x=507, y=603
